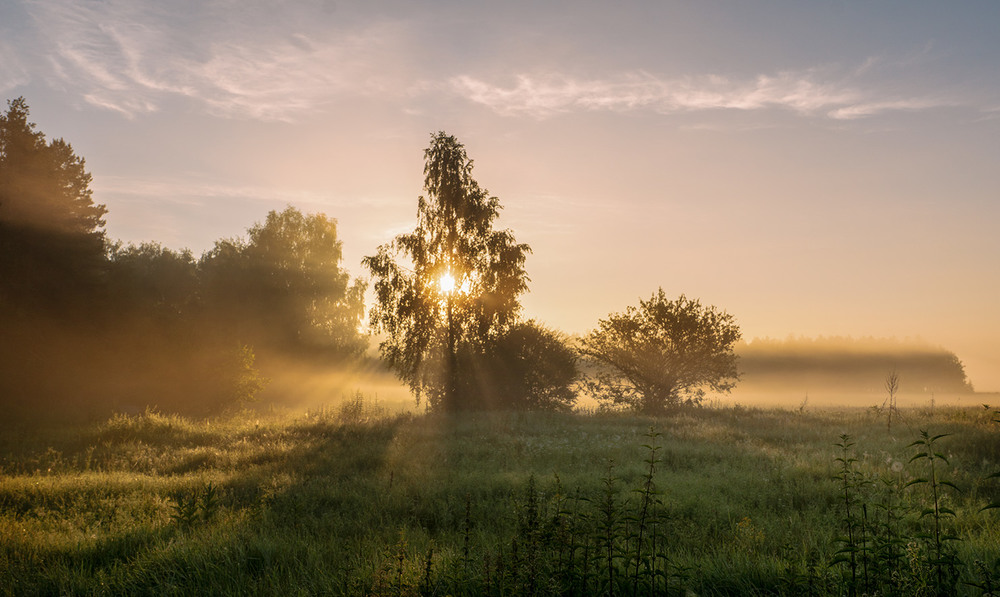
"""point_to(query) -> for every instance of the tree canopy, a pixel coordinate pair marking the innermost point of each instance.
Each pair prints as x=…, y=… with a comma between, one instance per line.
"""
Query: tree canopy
x=51, y=231
x=283, y=286
x=662, y=353
x=456, y=287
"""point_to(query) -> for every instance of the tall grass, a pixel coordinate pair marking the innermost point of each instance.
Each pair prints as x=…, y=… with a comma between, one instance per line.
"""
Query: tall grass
x=351, y=500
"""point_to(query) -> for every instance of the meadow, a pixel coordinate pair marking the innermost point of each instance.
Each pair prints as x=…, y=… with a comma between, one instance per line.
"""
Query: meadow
x=356, y=500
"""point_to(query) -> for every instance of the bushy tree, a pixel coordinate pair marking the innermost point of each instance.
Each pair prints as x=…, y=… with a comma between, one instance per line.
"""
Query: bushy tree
x=51, y=231
x=283, y=286
x=661, y=354
x=533, y=368
x=454, y=291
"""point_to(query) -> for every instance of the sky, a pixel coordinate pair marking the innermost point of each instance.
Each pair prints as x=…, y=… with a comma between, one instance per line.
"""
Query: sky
x=812, y=168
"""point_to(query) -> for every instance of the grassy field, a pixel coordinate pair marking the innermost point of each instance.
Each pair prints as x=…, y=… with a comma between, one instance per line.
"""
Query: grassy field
x=353, y=500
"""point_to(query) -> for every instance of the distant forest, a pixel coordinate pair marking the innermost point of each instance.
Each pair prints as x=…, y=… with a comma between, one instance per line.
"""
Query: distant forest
x=849, y=365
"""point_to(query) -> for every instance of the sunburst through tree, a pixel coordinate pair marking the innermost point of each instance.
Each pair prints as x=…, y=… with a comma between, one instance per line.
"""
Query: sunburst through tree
x=448, y=291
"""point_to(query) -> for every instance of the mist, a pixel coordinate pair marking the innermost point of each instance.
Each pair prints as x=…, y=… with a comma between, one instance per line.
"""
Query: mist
x=849, y=371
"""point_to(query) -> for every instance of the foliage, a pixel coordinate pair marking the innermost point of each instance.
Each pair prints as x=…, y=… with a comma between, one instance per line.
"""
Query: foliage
x=942, y=556
x=854, y=549
x=662, y=354
x=455, y=286
x=531, y=367
x=51, y=231
x=895, y=538
x=284, y=286
x=245, y=381
x=192, y=506
x=153, y=282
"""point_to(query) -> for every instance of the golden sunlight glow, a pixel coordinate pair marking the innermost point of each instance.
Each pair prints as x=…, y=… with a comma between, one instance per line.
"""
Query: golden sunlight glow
x=447, y=283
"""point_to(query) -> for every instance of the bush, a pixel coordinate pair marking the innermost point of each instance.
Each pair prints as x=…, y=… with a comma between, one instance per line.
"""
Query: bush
x=530, y=367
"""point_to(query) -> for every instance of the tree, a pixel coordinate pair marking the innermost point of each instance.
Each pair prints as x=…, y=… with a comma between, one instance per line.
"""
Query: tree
x=533, y=368
x=662, y=354
x=154, y=282
x=51, y=231
x=457, y=290
x=284, y=287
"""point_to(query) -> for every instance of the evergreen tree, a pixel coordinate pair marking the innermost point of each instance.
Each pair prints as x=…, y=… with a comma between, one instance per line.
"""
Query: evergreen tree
x=51, y=231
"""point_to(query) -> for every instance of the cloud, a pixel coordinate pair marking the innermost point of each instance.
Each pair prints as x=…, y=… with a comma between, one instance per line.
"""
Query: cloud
x=12, y=72
x=863, y=109
x=251, y=59
x=802, y=92
x=259, y=63
x=193, y=192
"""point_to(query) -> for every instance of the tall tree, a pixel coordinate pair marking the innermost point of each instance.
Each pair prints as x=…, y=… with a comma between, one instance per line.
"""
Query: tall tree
x=662, y=354
x=456, y=290
x=51, y=231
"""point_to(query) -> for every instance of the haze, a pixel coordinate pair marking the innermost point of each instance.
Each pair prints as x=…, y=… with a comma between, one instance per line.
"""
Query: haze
x=813, y=169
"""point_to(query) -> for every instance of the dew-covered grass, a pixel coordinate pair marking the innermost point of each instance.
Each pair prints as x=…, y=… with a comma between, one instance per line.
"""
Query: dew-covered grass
x=354, y=500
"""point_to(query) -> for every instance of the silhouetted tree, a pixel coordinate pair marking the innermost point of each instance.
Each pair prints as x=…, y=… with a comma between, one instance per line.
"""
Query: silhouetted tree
x=284, y=287
x=456, y=291
x=51, y=231
x=662, y=354
x=533, y=368
x=152, y=281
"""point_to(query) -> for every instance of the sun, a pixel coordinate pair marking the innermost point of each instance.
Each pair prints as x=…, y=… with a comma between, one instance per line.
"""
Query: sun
x=447, y=283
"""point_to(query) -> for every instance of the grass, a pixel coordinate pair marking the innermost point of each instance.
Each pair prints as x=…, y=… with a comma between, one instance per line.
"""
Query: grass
x=353, y=500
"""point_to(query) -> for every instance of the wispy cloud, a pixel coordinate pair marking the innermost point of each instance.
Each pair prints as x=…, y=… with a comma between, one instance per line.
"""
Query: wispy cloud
x=12, y=72
x=251, y=59
x=129, y=58
x=802, y=92
x=195, y=192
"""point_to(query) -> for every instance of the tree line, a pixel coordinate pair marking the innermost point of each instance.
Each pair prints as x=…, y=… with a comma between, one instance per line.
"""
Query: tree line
x=92, y=323
x=89, y=321
x=849, y=365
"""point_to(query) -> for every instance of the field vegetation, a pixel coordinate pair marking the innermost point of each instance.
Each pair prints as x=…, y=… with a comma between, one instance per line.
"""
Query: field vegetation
x=356, y=500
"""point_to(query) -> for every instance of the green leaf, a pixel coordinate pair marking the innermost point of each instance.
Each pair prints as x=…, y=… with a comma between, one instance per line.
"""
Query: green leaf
x=950, y=484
